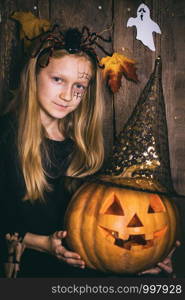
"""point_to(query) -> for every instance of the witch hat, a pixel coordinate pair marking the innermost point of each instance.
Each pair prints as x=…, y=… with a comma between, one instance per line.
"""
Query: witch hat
x=141, y=149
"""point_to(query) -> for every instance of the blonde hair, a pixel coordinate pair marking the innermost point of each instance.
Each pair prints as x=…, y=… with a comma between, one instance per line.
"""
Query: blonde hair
x=83, y=126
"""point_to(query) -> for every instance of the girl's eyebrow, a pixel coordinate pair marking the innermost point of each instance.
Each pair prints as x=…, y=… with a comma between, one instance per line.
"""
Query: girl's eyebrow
x=56, y=73
x=81, y=75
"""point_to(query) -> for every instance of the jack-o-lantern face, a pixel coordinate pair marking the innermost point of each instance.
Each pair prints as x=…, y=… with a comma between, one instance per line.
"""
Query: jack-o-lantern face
x=133, y=234
x=120, y=230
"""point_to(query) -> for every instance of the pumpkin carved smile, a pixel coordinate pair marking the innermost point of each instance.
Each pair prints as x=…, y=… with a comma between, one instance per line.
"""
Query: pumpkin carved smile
x=134, y=239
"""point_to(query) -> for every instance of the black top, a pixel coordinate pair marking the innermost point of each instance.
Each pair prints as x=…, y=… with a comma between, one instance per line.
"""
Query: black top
x=39, y=218
x=23, y=216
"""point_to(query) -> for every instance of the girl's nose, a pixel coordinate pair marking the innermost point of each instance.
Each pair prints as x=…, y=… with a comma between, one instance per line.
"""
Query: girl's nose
x=66, y=94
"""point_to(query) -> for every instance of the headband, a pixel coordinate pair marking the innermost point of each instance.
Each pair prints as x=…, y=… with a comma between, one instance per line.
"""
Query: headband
x=71, y=40
x=42, y=39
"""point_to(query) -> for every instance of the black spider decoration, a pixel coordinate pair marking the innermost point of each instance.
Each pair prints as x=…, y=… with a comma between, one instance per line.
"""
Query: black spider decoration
x=72, y=40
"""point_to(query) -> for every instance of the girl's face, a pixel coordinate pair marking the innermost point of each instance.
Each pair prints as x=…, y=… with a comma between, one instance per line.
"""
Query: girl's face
x=61, y=85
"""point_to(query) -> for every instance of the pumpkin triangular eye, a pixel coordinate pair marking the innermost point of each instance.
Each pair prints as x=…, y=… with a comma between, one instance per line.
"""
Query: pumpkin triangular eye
x=115, y=208
x=156, y=204
x=135, y=222
x=150, y=210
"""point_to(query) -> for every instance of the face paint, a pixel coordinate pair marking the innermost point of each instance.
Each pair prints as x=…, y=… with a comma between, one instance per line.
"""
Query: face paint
x=77, y=96
x=61, y=86
x=83, y=75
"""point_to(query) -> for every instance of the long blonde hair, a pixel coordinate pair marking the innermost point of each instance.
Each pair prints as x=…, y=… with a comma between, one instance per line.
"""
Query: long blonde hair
x=83, y=126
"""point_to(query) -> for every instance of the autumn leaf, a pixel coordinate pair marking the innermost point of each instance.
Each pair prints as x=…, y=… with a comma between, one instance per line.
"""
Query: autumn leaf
x=115, y=67
x=31, y=26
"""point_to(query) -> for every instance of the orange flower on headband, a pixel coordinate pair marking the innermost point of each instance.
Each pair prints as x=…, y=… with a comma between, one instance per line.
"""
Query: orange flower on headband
x=31, y=26
x=115, y=67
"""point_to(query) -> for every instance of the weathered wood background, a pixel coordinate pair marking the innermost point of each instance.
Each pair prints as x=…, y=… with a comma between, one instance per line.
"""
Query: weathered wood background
x=113, y=14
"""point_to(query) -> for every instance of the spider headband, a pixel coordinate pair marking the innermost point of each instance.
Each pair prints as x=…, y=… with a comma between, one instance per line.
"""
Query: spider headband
x=71, y=40
x=41, y=40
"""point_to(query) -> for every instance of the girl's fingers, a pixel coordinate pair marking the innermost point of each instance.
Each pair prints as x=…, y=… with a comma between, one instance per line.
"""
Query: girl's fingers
x=156, y=270
x=59, y=234
x=67, y=254
x=165, y=267
x=171, y=252
x=70, y=257
x=72, y=261
x=177, y=244
x=166, y=261
x=77, y=266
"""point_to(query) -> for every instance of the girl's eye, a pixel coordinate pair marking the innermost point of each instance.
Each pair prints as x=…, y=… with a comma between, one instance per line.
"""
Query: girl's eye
x=80, y=87
x=57, y=79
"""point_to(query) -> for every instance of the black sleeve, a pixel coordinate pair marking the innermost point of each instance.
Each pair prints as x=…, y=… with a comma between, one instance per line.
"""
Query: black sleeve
x=10, y=220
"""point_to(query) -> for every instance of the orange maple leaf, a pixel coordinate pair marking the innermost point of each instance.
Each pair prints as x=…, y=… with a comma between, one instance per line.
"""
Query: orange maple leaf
x=115, y=67
x=31, y=26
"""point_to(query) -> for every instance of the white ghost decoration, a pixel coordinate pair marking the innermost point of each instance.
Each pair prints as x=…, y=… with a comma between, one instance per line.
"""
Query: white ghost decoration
x=145, y=26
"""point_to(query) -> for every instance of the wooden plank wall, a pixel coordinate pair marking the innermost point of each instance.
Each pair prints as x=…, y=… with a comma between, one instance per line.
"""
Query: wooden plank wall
x=170, y=15
x=99, y=15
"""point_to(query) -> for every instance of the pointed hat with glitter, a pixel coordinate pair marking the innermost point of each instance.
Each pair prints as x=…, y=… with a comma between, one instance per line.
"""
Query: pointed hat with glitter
x=141, y=149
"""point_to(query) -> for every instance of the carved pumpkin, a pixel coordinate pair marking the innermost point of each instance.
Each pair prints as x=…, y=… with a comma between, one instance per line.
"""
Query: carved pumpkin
x=120, y=230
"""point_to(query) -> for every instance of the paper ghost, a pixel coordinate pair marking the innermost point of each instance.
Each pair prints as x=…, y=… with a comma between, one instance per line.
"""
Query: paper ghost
x=145, y=26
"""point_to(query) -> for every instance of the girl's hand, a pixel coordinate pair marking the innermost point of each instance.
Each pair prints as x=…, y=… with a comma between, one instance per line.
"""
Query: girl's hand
x=165, y=265
x=58, y=250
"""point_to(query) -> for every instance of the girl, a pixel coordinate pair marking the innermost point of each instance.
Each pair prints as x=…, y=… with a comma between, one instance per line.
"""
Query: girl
x=54, y=130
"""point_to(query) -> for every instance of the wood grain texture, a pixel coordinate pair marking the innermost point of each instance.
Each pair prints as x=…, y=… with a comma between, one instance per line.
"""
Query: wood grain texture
x=125, y=42
x=172, y=51
x=8, y=41
x=170, y=16
x=11, y=55
x=43, y=7
x=99, y=15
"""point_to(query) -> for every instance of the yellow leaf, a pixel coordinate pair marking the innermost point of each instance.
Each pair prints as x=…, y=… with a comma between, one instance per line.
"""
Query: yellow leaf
x=31, y=26
x=115, y=67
